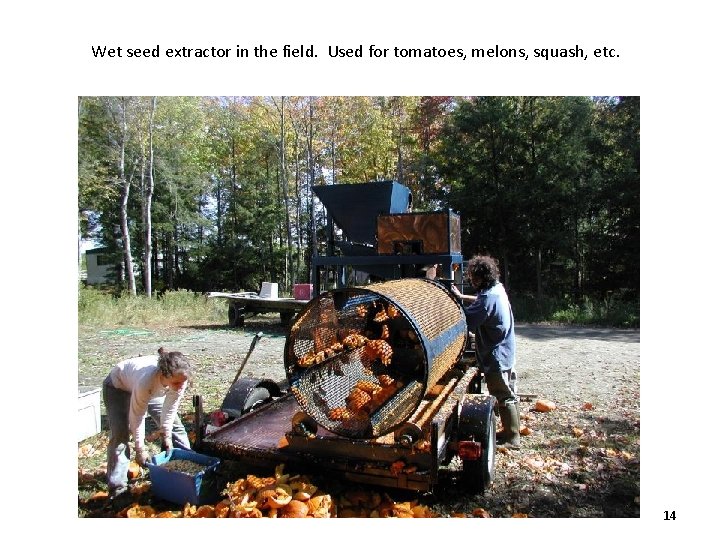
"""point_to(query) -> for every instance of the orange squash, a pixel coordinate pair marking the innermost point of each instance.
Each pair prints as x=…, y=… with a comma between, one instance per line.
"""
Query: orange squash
x=544, y=405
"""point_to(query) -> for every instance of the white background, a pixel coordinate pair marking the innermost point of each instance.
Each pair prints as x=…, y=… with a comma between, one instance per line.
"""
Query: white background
x=667, y=56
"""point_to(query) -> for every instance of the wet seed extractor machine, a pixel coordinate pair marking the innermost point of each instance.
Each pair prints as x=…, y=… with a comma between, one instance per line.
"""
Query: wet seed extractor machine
x=376, y=390
x=376, y=387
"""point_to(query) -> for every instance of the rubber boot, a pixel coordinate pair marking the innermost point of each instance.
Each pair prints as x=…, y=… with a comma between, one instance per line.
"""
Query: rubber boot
x=509, y=437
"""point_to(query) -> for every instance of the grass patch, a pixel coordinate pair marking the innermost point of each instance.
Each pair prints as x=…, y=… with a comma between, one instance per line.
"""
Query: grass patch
x=105, y=308
x=108, y=308
x=609, y=312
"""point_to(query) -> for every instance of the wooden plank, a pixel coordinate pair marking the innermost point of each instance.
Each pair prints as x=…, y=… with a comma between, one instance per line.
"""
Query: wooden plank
x=272, y=304
x=232, y=295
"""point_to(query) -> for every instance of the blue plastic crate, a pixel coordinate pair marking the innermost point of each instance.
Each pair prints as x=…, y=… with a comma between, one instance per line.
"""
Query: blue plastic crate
x=182, y=488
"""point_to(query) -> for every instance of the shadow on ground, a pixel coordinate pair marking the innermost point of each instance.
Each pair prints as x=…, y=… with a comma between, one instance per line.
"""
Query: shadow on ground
x=541, y=332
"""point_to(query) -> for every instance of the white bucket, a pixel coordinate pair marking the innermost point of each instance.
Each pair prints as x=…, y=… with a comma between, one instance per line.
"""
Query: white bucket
x=269, y=290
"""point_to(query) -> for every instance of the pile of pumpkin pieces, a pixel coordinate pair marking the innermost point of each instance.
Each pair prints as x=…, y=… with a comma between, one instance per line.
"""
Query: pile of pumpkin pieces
x=285, y=496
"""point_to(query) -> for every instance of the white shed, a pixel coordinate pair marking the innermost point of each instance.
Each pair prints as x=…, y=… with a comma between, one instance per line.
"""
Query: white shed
x=100, y=266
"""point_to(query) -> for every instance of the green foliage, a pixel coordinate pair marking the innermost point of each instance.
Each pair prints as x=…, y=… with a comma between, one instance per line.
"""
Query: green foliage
x=549, y=185
x=104, y=308
x=612, y=311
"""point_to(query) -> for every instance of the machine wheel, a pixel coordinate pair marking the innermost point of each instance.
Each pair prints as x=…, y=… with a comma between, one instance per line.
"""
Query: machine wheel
x=232, y=315
x=247, y=394
x=479, y=474
x=477, y=422
x=256, y=397
x=236, y=316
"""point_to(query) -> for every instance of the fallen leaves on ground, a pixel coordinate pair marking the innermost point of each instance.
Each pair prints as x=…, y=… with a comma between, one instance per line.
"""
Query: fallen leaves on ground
x=98, y=495
x=140, y=512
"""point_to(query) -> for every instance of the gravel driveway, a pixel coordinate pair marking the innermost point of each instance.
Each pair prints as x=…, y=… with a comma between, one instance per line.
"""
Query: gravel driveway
x=567, y=364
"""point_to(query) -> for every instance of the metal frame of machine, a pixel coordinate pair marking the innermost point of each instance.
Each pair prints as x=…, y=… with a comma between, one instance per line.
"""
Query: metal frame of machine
x=354, y=209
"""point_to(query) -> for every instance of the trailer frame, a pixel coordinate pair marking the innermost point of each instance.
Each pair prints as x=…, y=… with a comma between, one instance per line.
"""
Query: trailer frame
x=241, y=305
x=462, y=424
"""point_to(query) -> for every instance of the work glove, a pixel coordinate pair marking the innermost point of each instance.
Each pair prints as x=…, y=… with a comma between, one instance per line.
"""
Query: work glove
x=167, y=446
x=142, y=457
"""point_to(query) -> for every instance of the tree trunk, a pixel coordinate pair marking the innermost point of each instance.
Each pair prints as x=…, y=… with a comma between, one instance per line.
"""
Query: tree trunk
x=538, y=272
x=399, y=156
x=299, y=242
x=219, y=213
x=271, y=232
x=506, y=269
x=79, y=244
x=234, y=226
x=290, y=275
x=334, y=165
x=127, y=251
x=155, y=262
x=577, y=257
x=313, y=226
x=170, y=259
x=148, y=203
x=143, y=213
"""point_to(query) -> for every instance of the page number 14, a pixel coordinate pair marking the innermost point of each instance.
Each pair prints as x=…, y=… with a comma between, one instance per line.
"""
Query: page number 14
x=669, y=515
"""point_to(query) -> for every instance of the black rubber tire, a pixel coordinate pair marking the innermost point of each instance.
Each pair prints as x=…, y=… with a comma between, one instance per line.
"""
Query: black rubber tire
x=236, y=316
x=255, y=398
x=479, y=474
x=232, y=316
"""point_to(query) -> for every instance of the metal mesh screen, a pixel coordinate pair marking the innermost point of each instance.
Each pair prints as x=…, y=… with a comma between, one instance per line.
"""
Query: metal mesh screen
x=360, y=360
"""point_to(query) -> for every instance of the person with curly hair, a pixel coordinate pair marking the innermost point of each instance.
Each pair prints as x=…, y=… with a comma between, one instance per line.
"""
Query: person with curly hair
x=154, y=385
x=490, y=317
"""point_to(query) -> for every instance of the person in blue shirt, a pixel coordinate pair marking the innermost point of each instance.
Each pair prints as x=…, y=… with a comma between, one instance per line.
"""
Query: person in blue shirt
x=490, y=317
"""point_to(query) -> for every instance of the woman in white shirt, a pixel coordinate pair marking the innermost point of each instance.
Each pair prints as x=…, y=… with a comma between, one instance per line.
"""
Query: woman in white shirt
x=146, y=384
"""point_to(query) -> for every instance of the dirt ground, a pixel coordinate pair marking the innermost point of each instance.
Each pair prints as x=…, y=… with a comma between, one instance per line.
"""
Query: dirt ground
x=580, y=460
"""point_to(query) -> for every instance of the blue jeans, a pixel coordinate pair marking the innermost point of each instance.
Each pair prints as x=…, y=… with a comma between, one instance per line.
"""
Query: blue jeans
x=117, y=405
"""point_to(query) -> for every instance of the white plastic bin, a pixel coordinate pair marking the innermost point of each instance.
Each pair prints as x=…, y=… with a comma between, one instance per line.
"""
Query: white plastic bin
x=88, y=412
x=269, y=290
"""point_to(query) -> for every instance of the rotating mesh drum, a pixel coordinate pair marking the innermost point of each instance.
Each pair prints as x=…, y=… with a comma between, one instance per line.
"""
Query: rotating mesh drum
x=360, y=360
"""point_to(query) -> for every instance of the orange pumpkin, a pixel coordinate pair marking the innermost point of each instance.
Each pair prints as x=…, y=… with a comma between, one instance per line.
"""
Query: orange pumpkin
x=294, y=509
x=133, y=470
x=141, y=512
x=544, y=405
